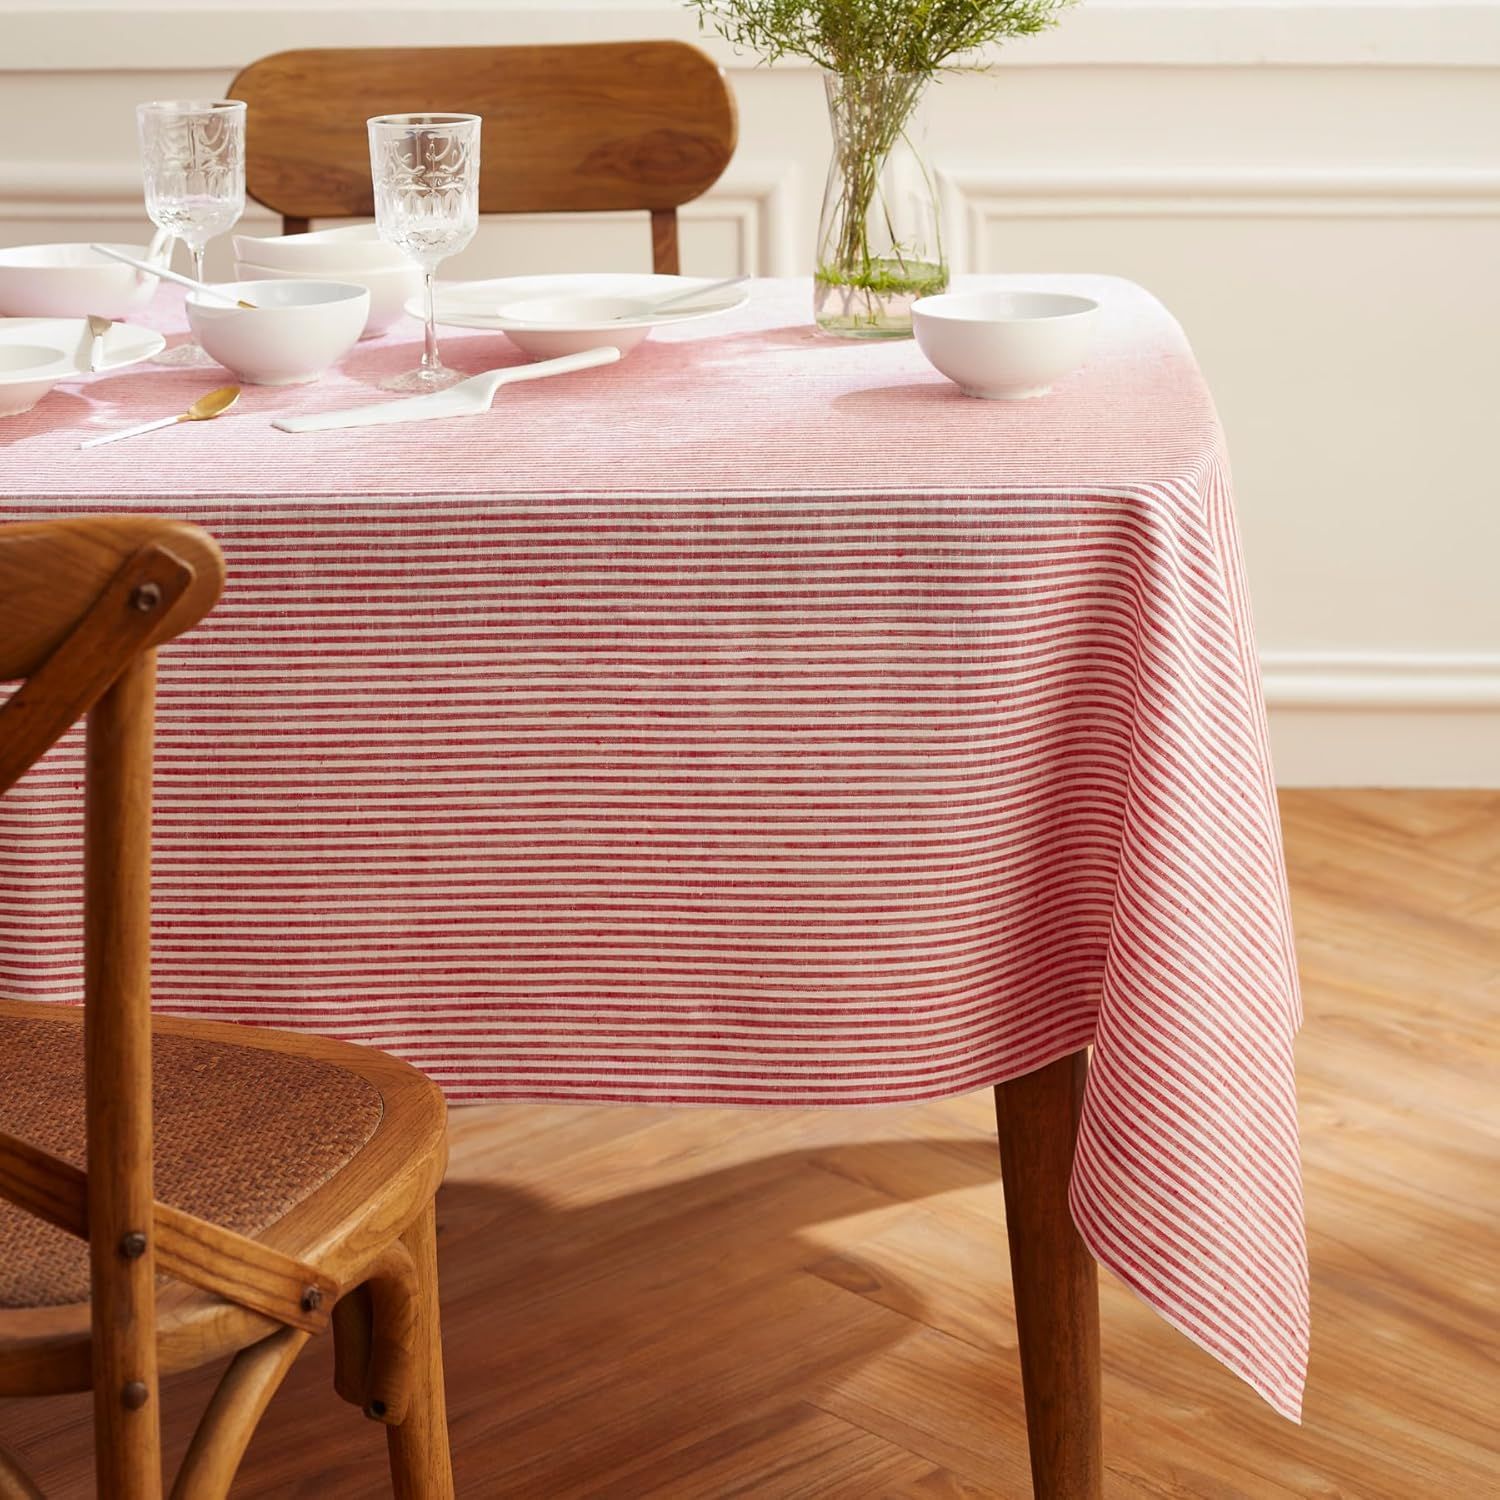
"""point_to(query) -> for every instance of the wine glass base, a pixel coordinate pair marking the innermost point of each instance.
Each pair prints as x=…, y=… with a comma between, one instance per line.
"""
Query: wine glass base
x=190, y=356
x=419, y=382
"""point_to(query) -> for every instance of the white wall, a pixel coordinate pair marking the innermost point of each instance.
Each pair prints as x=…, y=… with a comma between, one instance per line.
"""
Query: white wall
x=1313, y=188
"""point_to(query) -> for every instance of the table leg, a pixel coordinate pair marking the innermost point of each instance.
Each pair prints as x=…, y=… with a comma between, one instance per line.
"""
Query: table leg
x=1055, y=1280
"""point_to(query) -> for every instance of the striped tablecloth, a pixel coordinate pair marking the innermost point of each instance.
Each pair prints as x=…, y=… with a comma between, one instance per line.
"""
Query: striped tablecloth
x=754, y=721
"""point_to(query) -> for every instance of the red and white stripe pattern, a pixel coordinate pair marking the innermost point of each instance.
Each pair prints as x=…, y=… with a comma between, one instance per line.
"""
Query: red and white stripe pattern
x=877, y=774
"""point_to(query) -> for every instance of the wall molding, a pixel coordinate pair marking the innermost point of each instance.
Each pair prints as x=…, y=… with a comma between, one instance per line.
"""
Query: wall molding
x=67, y=190
x=74, y=35
x=973, y=198
x=762, y=196
x=762, y=199
x=1233, y=192
x=759, y=199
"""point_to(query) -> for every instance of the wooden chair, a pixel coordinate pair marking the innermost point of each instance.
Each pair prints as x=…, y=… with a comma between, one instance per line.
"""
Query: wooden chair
x=296, y=1175
x=581, y=129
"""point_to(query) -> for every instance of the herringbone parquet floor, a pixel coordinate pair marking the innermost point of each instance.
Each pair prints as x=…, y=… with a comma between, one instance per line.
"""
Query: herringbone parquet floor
x=706, y=1304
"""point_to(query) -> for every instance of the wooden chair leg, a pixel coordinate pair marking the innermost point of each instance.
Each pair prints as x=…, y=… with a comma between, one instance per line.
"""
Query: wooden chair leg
x=421, y=1468
x=1055, y=1280
x=397, y=1335
x=664, y=257
x=351, y=1346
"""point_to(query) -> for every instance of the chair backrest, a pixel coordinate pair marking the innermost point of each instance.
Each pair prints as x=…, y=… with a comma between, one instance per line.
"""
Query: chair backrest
x=83, y=605
x=567, y=129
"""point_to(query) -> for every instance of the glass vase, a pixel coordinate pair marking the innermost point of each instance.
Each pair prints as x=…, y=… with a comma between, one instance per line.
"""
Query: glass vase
x=879, y=239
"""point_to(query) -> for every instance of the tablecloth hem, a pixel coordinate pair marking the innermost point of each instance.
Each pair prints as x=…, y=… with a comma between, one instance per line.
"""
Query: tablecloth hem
x=1284, y=1400
x=1075, y=1040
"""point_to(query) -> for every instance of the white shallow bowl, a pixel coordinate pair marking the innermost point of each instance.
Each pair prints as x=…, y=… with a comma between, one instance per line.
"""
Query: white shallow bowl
x=354, y=247
x=548, y=316
x=1005, y=346
x=389, y=289
x=295, y=331
x=546, y=327
x=27, y=373
x=70, y=281
x=35, y=353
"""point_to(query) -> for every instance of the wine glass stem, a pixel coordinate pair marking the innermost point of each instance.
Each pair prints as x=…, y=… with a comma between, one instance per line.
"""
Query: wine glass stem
x=430, y=360
x=198, y=252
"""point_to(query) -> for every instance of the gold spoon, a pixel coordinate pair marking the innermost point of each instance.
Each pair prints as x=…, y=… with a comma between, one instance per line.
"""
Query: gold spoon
x=204, y=409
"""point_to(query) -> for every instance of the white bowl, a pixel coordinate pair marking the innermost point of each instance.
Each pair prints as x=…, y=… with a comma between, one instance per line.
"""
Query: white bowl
x=389, y=289
x=352, y=247
x=1004, y=346
x=295, y=331
x=546, y=327
x=548, y=343
x=572, y=312
x=27, y=373
x=71, y=281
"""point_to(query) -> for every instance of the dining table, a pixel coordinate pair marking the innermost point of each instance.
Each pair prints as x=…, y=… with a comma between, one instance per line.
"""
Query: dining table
x=755, y=721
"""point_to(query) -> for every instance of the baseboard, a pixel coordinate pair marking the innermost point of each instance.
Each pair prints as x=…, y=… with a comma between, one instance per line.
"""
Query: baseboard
x=1365, y=719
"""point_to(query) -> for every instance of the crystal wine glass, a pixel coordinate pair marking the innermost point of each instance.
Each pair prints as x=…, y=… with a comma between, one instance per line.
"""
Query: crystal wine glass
x=425, y=169
x=193, y=155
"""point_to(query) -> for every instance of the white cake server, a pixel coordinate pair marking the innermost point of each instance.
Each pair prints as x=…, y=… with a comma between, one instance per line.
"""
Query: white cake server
x=464, y=399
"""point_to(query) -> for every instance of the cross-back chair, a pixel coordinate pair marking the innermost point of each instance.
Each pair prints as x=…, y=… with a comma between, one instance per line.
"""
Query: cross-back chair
x=176, y=1193
x=567, y=129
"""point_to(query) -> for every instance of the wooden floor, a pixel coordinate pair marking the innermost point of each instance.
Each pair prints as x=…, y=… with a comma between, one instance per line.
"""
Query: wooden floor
x=713, y=1303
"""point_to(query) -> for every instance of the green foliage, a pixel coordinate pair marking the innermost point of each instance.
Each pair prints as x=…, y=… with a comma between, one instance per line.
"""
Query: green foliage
x=859, y=38
x=887, y=278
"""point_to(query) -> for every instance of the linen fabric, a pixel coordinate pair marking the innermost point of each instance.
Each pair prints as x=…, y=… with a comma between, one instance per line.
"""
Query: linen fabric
x=755, y=721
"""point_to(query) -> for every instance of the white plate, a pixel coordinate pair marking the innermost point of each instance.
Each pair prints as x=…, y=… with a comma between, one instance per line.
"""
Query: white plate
x=46, y=350
x=477, y=304
x=124, y=344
